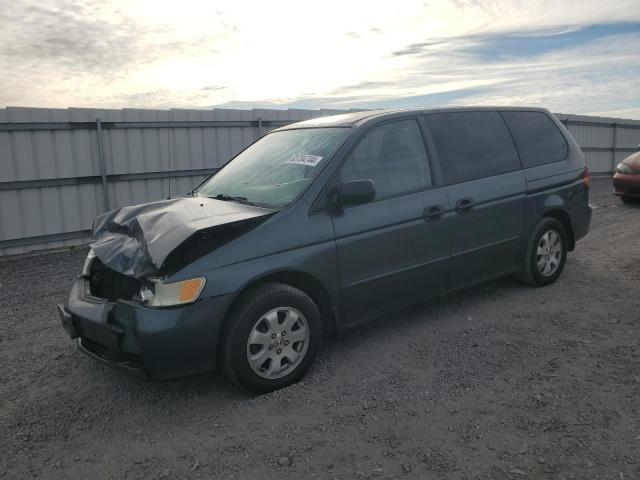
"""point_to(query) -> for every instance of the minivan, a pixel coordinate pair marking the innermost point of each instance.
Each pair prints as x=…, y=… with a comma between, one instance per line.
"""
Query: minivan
x=322, y=225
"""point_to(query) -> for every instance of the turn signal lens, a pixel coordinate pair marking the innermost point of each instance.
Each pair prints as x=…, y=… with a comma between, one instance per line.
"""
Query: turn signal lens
x=169, y=294
x=189, y=289
x=585, y=177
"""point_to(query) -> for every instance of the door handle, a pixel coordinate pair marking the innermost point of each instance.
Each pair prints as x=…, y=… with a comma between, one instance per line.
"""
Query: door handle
x=433, y=212
x=464, y=204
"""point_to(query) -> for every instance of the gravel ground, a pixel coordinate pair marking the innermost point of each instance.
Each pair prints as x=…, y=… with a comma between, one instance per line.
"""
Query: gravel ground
x=501, y=381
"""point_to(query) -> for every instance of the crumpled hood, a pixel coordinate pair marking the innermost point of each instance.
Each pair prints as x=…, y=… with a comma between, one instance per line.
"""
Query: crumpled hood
x=137, y=240
x=633, y=161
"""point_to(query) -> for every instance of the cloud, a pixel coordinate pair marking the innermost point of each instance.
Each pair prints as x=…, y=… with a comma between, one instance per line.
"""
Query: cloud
x=360, y=54
x=598, y=76
x=161, y=98
x=590, y=77
x=538, y=42
x=82, y=37
x=416, y=48
x=359, y=87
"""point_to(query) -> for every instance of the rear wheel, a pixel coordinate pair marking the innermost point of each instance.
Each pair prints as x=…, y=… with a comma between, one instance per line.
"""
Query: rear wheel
x=271, y=338
x=546, y=253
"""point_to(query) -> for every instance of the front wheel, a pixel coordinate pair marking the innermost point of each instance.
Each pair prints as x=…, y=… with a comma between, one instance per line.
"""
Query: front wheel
x=271, y=339
x=546, y=253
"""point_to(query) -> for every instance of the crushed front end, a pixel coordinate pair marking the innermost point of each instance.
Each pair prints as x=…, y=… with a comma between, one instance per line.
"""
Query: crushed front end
x=112, y=324
x=131, y=309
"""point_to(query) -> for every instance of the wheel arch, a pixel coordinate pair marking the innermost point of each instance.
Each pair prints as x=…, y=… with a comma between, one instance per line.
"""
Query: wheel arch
x=303, y=281
x=563, y=217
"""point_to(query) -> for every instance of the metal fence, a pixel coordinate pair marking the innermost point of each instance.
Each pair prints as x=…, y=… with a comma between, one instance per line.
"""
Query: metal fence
x=605, y=141
x=59, y=168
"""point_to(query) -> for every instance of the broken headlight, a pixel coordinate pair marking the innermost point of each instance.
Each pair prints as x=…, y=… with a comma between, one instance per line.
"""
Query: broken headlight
x=87, y=263
x=168, y=294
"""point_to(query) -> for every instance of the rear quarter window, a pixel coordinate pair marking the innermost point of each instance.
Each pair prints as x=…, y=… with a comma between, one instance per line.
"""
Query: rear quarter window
x=537, y=138
x=472, y=145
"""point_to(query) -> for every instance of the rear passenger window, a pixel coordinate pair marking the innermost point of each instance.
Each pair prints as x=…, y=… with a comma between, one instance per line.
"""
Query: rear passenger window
x=393, y=155
x=472, y=145
x=538, y=139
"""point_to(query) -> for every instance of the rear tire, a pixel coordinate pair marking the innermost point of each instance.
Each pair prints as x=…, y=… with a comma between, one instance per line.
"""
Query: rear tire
x=546, y=253
x=271, y=338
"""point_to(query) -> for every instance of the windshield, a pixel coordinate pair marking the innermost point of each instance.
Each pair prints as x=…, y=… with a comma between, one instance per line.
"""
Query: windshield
x=274, y=170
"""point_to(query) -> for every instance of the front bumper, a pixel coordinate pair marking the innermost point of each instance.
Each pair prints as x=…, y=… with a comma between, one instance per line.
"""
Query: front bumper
x=144, y=342
x=626, y=184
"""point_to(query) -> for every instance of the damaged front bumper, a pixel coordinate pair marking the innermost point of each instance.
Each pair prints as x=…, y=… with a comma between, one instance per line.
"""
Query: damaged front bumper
x=159, y=343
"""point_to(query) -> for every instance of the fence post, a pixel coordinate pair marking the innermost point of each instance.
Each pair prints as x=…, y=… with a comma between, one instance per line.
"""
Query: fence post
x=103, y=172
x=614, y=146
x=259, y=127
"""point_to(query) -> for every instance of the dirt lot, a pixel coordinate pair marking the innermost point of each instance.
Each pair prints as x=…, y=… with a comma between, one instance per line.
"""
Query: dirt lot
x=502, y=381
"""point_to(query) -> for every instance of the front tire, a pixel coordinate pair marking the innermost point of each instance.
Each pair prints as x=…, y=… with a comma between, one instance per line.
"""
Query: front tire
x=271, y=338
x=546, y=253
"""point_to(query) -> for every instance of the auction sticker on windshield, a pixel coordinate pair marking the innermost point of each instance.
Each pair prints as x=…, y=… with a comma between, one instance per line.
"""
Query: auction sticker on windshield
x=304, y=159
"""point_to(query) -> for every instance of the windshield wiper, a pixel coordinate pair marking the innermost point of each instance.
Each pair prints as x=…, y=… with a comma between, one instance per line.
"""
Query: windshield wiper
x=231, y=198
x=243, y=200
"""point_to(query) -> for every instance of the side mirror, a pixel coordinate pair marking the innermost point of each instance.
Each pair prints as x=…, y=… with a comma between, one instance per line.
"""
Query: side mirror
x=355, y=192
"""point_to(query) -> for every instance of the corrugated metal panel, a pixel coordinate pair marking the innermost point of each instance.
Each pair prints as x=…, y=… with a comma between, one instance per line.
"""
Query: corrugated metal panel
x=592, y=136
x=38, y=155
x=41, y=216
x=628, y=137
x=605, y=141
x=599, y=162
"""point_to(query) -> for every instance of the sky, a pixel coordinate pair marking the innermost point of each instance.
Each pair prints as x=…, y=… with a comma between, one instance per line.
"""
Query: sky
x=578, y=56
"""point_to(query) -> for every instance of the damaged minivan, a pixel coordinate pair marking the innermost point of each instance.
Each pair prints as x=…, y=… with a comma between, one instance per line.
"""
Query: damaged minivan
x=321, y=225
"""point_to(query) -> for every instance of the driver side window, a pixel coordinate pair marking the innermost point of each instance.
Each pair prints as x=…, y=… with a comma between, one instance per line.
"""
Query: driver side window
x=393, y=155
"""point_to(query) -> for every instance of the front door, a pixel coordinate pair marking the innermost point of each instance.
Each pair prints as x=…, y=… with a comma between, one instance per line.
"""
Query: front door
x=394, y=250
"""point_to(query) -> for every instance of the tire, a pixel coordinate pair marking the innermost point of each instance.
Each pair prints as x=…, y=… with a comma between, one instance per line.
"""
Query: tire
x=627, y=199
x=262, y=314
x=531, y=273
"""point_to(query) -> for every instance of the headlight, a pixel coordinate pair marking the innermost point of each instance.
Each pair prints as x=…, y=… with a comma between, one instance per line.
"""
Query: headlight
x=624, y=168
x=168, y=294
x=87, y=263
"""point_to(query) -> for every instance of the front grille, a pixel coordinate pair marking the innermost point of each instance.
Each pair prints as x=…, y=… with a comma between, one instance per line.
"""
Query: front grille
x=111, y=285
x=125, y=359
x=96, y=348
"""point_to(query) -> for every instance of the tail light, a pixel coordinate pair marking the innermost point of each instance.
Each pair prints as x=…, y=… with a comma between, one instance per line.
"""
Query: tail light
x=585, y=177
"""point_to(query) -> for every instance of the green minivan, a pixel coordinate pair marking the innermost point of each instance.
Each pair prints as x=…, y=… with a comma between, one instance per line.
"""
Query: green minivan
x=320, y=226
